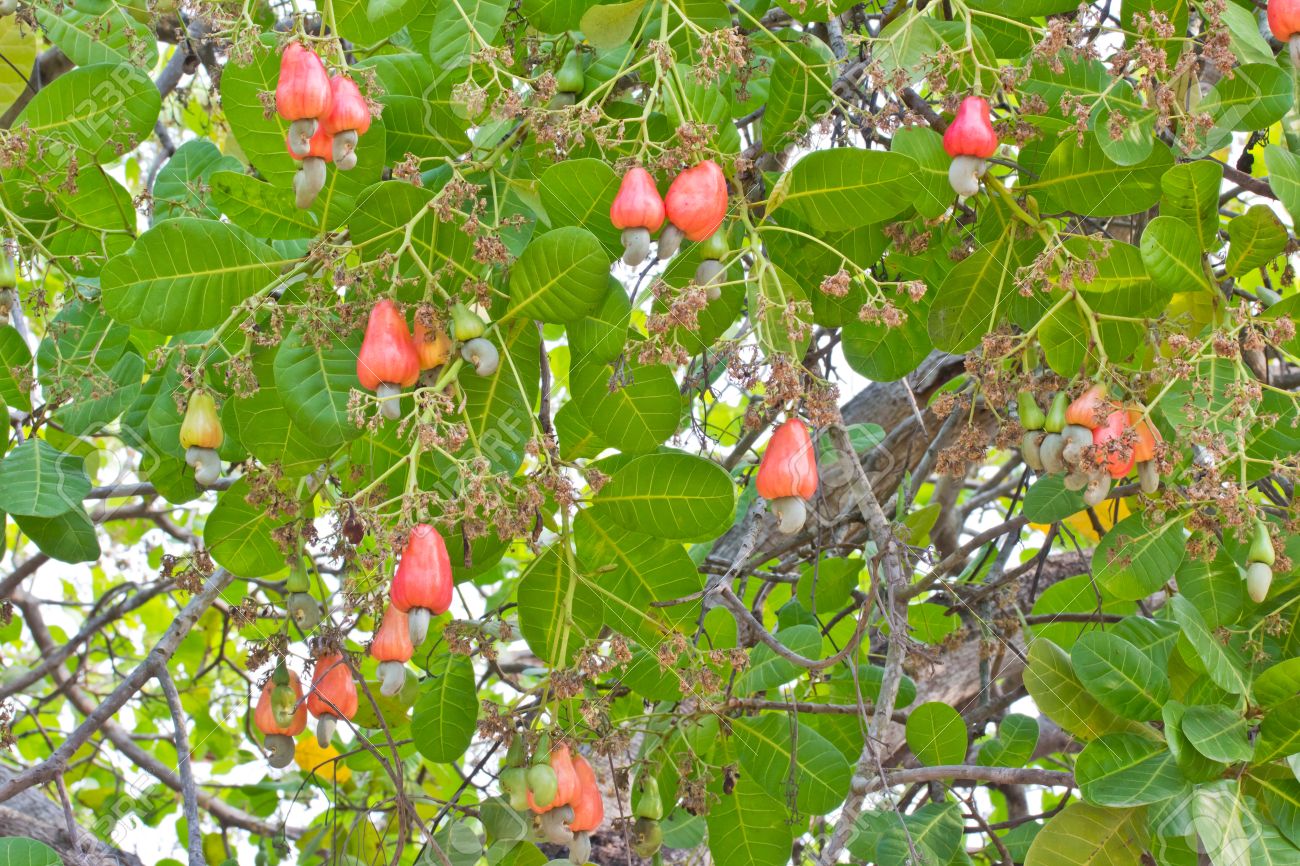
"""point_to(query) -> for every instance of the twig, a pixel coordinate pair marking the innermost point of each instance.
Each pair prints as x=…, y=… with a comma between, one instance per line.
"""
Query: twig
x=189, y=790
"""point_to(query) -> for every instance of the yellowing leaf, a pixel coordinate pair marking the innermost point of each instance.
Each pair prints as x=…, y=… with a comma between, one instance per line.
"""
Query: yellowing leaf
x=310, y=757
x=1081, y=525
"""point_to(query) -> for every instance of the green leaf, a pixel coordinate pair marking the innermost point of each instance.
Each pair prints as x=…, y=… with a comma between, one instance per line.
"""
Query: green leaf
x=181, y=186
x=1218, y=733
x=742, y=829
x=1255, y=97
x=936, y=734
x=1224, y=665
x=1014, y=745
x=637, y=415
x=630, y=571
x=1278, y=683
x=843, y=188
x=446, y=714
x=39, y=480
x=966, y=305
x=98, y=31
x=1135, y=559
x=885, y=354
x=262, y=423
x=315, y=372
x=799, y=90
x=460, y=30
x=1127, y=770
x=20, y=851
x=1256, y=238
x=1284, y=177
x=767, y=670
x=263, y=210
x=579, y=192
x=370, y=21
x=421, y=112
x=599, y=338
x=934, y=194
x=1097, y=836
x=1172, y=255
x=15, y=369
x=774, y=298
x=1190, y=192
x=80, y=337
x=782, y=755
x=934, y=831
x=1064, y=338
x=1279, y=733
x=1084, y=180
x=1214, y=588
x=1047, y=501
x=1058, y=692
x=671, y=495
x=186, y=274
x=92, y=114
x=1120, y=676
x=67, y=537
x=98, y=398
x=610, y=25
x=239, y=534
x=562, y=276
x=558, y=611
x=1224, y=822
x=18, y=45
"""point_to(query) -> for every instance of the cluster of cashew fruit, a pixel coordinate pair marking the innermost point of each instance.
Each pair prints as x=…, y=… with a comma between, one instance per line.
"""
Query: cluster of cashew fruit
x=559, y=788
x=201, y=436
x=787, y=475
x=391, y=358
x=421, y=589
x=1259, y=562
x=1284, y=21
x=326, y=117
x=970, y=141
x=1090, y=440
x=281, y=712
x=694, y=207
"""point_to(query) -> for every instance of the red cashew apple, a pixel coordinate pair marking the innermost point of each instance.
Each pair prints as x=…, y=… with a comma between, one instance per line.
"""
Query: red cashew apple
x=638, y=211
x=695, y=206
x=423, y=583
x=278, y=726
x=201, y=436
x=333, y=695
x=1112, y=442
x=388, y=361
x=1284, y=21
x=392, y=649
x=969, y=140
x=787, y=474
x=588, y=805
x=310, y=179
x=347, y=120
x=302, y=95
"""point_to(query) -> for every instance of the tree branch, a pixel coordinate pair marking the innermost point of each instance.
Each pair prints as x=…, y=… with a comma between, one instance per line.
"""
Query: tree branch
x=189, y=790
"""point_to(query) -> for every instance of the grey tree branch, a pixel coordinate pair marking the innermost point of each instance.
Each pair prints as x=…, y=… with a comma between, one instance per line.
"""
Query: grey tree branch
x=189, y=789
x=972, y=773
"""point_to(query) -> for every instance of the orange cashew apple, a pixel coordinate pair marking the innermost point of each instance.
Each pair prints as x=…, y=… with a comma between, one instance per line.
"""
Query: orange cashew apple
x=392, y=649
x=333, y=695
